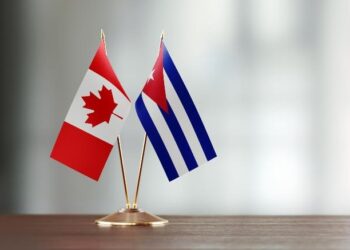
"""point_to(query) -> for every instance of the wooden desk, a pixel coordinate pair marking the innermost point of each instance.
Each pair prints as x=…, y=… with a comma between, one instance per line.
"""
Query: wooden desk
x=183, y=232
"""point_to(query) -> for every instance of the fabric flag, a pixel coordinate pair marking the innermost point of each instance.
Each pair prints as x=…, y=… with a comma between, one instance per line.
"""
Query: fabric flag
x=94, y=119
x=171, y=120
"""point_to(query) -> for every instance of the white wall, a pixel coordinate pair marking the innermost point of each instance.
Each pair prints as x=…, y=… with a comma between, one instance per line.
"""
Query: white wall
x=270, y=79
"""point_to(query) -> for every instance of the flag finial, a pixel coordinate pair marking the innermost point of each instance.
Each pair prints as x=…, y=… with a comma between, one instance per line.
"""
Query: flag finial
x=103, y=38
x=162, y=36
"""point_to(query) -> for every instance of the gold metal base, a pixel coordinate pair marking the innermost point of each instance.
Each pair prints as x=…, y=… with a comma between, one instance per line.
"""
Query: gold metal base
x=131, y=217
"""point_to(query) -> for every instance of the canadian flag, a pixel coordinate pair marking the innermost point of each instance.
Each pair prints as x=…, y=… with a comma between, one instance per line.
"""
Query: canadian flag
x=94, y=119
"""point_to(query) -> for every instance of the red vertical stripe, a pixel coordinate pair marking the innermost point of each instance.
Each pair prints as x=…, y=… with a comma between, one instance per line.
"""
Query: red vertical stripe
x=81, y=151
x=101, y=65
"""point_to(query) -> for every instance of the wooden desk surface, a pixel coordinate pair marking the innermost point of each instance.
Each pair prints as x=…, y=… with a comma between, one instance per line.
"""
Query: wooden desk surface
x=183, y=232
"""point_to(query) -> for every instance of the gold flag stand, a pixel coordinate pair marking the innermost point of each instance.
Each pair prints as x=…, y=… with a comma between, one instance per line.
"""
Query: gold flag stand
x=130, y=216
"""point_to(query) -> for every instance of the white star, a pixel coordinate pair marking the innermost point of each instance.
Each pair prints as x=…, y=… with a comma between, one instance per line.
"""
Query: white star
x=151, y=76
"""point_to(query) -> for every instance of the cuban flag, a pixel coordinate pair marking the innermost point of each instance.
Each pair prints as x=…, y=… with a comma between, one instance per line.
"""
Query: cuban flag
x=171, y=120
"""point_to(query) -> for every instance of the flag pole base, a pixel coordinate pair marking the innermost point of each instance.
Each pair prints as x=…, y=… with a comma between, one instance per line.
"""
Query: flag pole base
x=131, y=217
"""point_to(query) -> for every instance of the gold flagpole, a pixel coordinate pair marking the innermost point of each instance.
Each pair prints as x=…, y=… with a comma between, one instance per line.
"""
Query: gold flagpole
x=134, y=205
x=123, y=172
x=103, y=37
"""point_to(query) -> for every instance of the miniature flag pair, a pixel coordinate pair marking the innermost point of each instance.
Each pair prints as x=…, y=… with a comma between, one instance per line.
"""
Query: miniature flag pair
x=164, y=107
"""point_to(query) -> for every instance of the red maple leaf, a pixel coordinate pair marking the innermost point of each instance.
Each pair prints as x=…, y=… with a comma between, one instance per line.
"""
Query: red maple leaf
x=102, y=107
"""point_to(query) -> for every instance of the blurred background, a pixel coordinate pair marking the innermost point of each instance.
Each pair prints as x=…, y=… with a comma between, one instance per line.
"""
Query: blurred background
x=270, y=79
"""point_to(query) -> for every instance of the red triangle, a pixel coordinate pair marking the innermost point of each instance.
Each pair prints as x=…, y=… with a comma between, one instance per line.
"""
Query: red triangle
x=154, y=86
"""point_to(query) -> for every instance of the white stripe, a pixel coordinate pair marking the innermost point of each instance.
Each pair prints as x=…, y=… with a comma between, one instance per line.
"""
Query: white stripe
x=185, y=122
x=166, y=135
x=77, y=114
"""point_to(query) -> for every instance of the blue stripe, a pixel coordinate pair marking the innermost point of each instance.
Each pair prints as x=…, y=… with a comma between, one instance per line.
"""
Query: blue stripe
x=155, y=139
x=188, y=104
x=179, y=138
